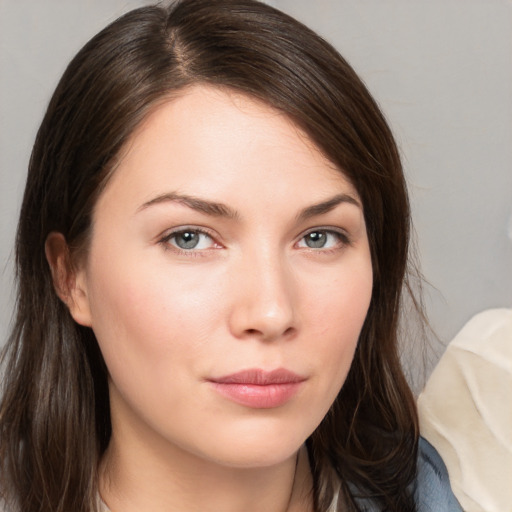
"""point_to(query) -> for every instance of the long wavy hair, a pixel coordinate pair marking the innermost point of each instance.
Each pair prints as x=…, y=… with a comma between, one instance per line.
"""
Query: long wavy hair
x=54, y=414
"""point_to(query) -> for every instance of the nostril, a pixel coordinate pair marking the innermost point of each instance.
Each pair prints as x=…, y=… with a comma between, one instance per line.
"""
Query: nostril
x=269, y=333
x=289, y=331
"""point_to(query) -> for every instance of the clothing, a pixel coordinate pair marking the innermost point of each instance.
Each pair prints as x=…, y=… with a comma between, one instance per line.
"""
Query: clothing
x=466, y=412
x=432, y=491
x=432, y=486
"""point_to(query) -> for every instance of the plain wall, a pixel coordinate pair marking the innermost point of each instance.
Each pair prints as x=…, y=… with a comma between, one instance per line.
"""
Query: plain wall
x=442, y=72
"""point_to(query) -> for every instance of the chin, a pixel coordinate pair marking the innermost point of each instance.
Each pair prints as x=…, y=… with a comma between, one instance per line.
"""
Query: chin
x=254, y=458
x=261, y=446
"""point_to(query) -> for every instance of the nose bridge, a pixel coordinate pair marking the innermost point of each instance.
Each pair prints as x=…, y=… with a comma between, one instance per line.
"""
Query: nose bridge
x=265, y=305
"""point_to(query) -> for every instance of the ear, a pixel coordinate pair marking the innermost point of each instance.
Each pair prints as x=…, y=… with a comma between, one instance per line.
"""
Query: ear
x=69, y=282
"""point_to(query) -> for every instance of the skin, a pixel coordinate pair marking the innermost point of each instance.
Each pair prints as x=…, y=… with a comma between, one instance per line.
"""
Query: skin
x=252, y=294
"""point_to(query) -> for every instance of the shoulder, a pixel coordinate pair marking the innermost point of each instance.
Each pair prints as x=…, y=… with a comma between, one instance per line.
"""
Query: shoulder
x=432, y=486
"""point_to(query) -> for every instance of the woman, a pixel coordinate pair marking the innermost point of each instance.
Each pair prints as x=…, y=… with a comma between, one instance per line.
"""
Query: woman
x=211, y=252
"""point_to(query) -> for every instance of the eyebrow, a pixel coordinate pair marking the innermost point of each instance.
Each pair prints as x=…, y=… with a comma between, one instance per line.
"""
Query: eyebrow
x=215, y=209
x=327, y=206
x=211, y=208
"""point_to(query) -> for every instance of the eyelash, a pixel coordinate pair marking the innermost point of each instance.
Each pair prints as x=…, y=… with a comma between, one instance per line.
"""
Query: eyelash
x=343, y=238
x=165, y=241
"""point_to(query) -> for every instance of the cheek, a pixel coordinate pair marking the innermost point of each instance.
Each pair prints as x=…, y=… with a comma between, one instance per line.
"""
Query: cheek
x=146, y=293
x=154, y=323
x=341, y=300
x=151, y=334
x=337, y=315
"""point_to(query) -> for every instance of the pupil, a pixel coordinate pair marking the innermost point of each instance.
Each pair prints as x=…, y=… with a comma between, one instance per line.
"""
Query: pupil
x=316, y=239
x=187, y=240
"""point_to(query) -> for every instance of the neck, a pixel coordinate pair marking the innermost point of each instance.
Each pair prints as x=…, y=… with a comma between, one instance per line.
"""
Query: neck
x=149, y=485
x=137, y=473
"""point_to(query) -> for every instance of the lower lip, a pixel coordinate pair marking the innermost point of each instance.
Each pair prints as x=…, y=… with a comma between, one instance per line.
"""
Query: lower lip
x=258, y=396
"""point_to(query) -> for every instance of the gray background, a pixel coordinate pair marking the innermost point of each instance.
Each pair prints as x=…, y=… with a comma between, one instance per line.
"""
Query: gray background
x=442, y=72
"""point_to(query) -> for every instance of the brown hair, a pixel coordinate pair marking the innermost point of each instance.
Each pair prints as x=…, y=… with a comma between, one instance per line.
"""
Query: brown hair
x=54, y=411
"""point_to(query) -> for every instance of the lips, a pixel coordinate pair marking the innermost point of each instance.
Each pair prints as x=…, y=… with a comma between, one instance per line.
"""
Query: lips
x=257, y=388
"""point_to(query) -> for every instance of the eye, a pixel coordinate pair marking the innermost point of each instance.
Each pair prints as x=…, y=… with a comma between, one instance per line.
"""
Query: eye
x=323, y=239
x=190, y=239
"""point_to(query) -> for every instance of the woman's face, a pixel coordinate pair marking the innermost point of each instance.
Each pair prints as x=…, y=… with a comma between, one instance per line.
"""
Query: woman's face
x=227, y=281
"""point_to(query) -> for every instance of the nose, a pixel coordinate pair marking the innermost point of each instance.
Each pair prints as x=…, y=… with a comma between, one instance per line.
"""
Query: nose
x=264, y=305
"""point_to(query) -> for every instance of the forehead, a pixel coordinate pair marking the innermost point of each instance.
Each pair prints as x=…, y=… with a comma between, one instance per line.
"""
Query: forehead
x=214, y=140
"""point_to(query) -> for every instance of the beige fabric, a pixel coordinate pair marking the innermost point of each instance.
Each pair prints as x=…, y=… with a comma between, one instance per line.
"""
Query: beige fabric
x=466, y=412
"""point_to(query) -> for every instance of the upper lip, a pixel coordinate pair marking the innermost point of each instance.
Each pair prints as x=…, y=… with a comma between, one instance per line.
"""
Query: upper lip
x=259, y=377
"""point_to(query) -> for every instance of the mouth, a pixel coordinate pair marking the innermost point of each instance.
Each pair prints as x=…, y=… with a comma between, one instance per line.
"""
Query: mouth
x=259, y=389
